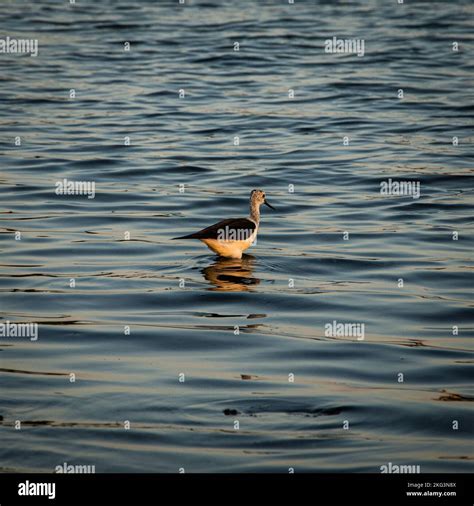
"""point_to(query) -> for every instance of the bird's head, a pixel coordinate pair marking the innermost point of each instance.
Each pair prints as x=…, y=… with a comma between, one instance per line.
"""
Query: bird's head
x=257, y=197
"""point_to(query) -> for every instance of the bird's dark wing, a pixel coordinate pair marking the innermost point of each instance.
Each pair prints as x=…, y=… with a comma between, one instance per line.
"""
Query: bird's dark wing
x=212, y=232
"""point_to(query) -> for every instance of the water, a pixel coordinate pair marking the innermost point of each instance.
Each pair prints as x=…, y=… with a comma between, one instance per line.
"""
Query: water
x=300, y=276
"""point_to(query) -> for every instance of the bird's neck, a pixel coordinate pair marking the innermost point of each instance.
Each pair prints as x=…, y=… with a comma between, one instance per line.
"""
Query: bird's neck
x=255, y=212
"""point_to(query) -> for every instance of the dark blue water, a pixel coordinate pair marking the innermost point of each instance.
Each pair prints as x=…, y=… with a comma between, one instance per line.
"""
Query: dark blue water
x=239, y=330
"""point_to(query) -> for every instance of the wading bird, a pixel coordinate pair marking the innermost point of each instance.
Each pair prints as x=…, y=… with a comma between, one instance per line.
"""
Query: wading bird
x=229, y=238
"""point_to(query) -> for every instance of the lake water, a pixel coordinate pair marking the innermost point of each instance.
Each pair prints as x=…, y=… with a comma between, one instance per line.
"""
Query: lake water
x=248, y=337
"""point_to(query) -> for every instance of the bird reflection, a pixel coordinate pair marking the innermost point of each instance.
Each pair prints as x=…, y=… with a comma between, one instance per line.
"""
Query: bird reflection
x=231, y=274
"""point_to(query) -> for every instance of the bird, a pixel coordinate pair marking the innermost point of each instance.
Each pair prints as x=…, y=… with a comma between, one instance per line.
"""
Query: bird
x=231, y=237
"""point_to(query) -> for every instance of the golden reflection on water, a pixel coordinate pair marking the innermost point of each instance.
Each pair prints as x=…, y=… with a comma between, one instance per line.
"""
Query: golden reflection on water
x=231, y=274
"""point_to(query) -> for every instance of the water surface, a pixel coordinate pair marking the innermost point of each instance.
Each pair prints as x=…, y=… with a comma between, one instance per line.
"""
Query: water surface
x=239, y=331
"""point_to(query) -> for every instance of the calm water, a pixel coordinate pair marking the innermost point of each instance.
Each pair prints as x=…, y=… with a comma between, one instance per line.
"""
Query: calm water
x=183, y=304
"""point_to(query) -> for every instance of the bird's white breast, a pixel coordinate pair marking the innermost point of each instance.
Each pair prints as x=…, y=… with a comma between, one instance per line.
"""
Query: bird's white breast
x=230, y=249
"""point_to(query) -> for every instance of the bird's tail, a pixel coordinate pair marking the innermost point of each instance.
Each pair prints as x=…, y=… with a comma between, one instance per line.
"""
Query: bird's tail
x=190, y=236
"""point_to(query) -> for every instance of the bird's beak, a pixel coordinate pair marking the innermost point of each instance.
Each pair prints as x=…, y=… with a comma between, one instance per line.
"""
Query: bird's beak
x=269, y=205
